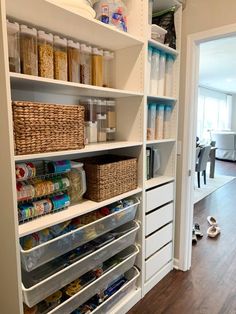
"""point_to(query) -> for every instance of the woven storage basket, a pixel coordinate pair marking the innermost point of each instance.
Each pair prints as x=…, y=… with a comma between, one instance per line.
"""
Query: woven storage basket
x=41, y=127
x=109, y=175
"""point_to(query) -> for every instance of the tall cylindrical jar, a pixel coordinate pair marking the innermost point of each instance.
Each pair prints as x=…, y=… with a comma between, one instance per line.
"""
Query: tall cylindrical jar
x=169, y=77
x=28, y=50
x=111, y=120
x=154, y=72
x=13, y=37
x=60, y=58
x=102, y=120
x=167, y=121
x=159, y=128
x=85, y=64
x=107, y=68
x=97, y=67
x=45, y=54
x=73, y=51
x=161, y=80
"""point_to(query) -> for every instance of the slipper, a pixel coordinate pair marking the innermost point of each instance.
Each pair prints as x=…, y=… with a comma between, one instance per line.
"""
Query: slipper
x=213, y=231
x=212, y=221
x=194, y=237
x=197, y=230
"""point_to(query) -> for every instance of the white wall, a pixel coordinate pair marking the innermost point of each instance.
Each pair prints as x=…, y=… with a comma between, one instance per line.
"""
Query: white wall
x=199, y=15
x=233, y=121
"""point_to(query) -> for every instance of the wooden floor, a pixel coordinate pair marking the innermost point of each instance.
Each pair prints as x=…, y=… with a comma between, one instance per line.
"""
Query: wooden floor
x=210, y=286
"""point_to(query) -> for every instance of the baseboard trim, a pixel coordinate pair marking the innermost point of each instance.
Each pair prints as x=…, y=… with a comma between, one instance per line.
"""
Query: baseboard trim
x=176, y=263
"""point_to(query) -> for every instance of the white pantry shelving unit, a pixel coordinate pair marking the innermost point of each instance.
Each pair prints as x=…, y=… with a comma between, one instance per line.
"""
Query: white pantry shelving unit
x=132, y=97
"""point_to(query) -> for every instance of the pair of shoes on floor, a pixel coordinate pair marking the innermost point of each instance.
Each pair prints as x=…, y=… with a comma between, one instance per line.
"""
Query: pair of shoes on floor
x=196, y=233
x=213, y=230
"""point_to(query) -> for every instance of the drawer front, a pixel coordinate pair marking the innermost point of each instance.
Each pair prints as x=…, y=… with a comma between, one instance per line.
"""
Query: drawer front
x=159, y=196
x=157, y=261
x=159, y=218
x=158, y=240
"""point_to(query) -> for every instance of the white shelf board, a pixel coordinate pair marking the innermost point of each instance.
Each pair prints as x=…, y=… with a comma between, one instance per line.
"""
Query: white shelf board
x=164, y=4
x=48, y=16
x=84, y=207
x=36, y=83
x=97, y=147
x=158, y=181
x=168, y=140
x=162, y=47
x=164, y=99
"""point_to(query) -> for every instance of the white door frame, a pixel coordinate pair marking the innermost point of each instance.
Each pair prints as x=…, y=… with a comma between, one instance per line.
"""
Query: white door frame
x=189, y=136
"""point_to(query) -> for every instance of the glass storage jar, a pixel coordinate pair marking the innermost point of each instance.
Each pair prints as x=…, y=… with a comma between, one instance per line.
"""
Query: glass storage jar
x=107, y=68
x=28, y=50
x=73, y=51
x=60, y=58
x=13, y=32
x=77, y=182
x=45, y=54
x=85, y=65
x=97, y=67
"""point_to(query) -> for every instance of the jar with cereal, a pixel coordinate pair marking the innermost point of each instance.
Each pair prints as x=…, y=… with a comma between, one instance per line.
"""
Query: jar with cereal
x=73, y=51
x=60, y=58
x=97, y=67
x=45, y=54
x=28, y=50
x=86, y=65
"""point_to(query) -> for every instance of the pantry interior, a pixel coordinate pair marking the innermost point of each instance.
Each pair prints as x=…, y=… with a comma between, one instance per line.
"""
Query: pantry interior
x=125, y=229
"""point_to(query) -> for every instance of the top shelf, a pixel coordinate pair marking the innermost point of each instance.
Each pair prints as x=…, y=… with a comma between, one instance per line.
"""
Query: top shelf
x=87, y=30
x=163, y=5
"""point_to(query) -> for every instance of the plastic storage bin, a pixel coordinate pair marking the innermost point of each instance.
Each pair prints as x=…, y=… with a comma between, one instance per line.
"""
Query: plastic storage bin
x=45, y=54
x=101, y=283
x=28, y=50
x=39, y=291
x=131, y=277
x=60, y=58
x=45, y=252
x=13, y=37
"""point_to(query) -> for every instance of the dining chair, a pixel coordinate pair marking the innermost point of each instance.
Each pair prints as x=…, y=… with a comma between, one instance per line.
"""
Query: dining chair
x=201, y=163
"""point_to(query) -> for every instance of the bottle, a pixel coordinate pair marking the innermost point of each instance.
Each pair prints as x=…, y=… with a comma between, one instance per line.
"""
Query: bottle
x=169, y=77
x=45, y=54
x=97, y=67
x=107, y=68
x=161, y=78
x=28, y=50
x=13, y=37
x=73, y=52
x=85, y=65
x=60, y=58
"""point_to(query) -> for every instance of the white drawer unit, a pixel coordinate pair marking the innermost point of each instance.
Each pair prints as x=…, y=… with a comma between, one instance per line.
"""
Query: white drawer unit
x=158, y=260
x=159, y=218
x=158, y=240
x=159, y=196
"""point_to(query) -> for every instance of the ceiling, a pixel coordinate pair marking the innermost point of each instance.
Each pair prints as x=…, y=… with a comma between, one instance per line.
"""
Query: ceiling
x=218, y=64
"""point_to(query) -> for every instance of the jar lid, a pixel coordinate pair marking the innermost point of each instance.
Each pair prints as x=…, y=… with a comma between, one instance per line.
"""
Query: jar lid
x=13, y=27
x=85, y=48
x=97, y=51
x=108, y=54
x=43, y=35
x=111, y=102
x=73, y=44
x=60, y=41
x=26, y=30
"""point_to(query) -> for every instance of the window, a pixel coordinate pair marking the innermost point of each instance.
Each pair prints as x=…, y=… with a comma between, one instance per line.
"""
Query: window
x=214, y=112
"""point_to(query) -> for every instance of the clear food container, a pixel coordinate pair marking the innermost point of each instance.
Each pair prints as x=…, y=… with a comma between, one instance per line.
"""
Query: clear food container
x=111, y=120
x=45, y=54
x=60, y=58
x=13, y=37
x=73, y=51
x=107, y=68
x=85, y=64
x=162, y=71
x=102, y=120
x=90, y=118
x=167, y=121
x=154, y=72
x=28, y=50
x=151, y=122
x=77, y=182
x=169, y=76
x=159, y=129
x=97, y=67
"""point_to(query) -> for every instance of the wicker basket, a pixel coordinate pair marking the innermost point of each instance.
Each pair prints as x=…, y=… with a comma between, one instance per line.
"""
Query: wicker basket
x=109, y=175
x=41, y=127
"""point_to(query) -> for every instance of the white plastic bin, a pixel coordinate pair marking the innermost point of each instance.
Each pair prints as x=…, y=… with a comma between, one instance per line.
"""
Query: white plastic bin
x=38, y=292
x=101, y=283
x=43, y=253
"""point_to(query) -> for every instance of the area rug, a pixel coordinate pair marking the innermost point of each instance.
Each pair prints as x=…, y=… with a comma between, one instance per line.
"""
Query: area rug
x=211, y=186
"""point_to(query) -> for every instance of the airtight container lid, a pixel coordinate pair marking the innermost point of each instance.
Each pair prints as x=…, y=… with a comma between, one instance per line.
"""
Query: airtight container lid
x=72, y=44
x=43, y=35
x=12, y=27
x=60, y=41
x=29, y=31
